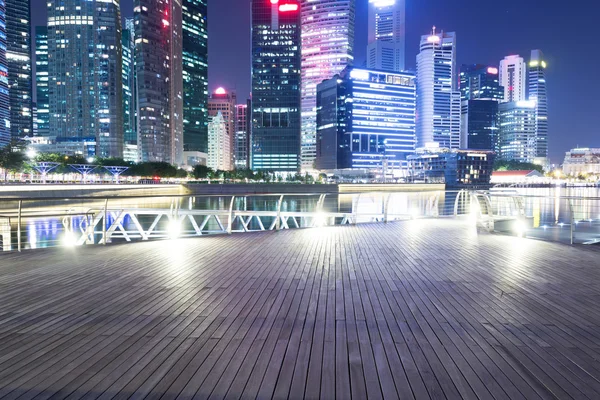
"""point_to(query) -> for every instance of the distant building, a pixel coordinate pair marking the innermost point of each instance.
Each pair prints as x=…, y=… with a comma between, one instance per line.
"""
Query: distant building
x=327, y=48
x=219, y=143
x=129, y=87
x=582, y=161
x=159, y=72
x=243, y=126
x=480, y=94
x=455, y=168
x=18, y=54
x=365, y=120
x=387, y=35
x=538, y=92
x=438, y=97
x=517, y=134
x=4, y=96
x=85, y=73
x=223, y=103
x=85, y=147
x=518, y=177
x=195, y=75
x=276, y=72
x=513, y=75
x=42, y=119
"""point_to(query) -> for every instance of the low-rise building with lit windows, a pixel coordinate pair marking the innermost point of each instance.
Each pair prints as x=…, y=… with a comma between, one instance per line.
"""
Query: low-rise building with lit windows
x=583, y=161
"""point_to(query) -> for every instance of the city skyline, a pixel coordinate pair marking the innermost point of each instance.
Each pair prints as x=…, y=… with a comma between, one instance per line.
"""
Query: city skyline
x=231, y=68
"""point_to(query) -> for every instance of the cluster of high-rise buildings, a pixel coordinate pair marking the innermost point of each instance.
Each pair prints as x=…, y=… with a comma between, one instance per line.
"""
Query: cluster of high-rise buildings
x=138, y=89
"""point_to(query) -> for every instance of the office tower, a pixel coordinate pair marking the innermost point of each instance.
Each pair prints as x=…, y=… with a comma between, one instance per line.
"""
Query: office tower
x=538, y=93
x=243, y=123
x=438, y=98
x=512, y=77
x=327, y=48
x=387, y=31
x=4, y=97
x=276, y=60
x=18, y=54
x=84, y=68
x=480, y=93
x=219, y=143
x=224, y=104
x=129, y=85
x=42, y=119
x=365, y=120
x=159, y=77
x=517, y=140
x=195, y=75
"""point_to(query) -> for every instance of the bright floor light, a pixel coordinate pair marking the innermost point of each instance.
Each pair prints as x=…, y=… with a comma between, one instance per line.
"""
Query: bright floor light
x=174, y=229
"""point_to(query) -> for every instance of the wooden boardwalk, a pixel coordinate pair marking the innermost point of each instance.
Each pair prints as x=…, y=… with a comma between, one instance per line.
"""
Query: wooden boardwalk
x=418, y=309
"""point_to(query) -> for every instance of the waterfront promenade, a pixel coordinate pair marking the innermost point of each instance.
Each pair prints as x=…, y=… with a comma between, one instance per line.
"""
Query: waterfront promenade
x=415, y=309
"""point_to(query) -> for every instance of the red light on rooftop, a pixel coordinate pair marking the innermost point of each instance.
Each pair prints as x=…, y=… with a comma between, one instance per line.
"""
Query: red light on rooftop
x=220, y=91
x=274, y=1
x=288, y=7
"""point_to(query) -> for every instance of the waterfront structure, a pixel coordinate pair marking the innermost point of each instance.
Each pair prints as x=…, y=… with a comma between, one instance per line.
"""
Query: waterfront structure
x=159, y=71
x=582, y=161
x=129, y=94
x=513, y=75
x=243, y=125
x=387, y=32
x=85, y=73
x=517, y=134
x=522, y=177
x=455, y=168
x=195, y=75
x=327, y=48
x=365, y=120
x=18, y=54
x=480, y=94
x=219, y=143
x=538, y=93
x=4, y=96
x=42, y=115
x=85, y=147
x=276, y=73
x=438, y=97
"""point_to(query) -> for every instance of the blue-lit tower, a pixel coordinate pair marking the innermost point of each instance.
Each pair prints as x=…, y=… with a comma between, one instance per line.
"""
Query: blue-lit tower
x=41, y=81
x=4, y=107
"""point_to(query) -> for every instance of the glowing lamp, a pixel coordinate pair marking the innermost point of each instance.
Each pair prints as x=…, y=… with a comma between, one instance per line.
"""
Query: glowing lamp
x=274, y=1
x=492, y=70
x=288, y=7
x=220, y=91
x=433, y=39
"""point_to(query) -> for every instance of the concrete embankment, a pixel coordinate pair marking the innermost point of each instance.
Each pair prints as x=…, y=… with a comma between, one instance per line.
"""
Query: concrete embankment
x=77, y=191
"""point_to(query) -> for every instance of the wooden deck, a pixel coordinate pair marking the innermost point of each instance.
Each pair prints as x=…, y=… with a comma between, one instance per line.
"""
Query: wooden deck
x=419, y=309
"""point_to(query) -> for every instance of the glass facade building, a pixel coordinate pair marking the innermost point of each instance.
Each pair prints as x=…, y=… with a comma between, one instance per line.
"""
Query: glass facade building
x=159, y=71
x=85, y=73
x=365, y=119
x=327, y=48
x=438, y=96
x=276, y=73
x=129, y=85
x=41, y=81
x=242, y=135
x=4, y=96
x=387, y=35
x=538, y=92
x=18, y=54
x=195, y=75
x=517, y=138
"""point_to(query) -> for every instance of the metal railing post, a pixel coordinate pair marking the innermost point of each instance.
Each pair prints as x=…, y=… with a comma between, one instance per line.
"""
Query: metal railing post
x=19, y=226
x=104, y=222
x=386, y=208
x=230, y=222
x=572, y=221
x=278, y=222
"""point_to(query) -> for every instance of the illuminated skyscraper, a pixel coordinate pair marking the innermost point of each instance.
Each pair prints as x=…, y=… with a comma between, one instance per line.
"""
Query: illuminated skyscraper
x=327, y=48
x=4, y=107
x=243, y=124
x=41, y=81
x=538, y=93
x=129, y=95
x=195, y=75
x=517, y=140
x=223, y=104
x=85, y=74
x=219, y=143
x=513, y=75
x=387, y=31
x=276, y=72
x=159, y=73
x=18, y=54
x=438, y=98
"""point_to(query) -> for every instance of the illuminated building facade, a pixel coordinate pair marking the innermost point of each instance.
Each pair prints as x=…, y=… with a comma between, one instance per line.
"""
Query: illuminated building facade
x=4, y=97
x=438, y=98
x=582, y=161
x=517, y=138
x=387, y=35
x=219, y=143
x=276, y=73
x=129, y=85
x=365, y=119
x=18, y=54
x=159, y=71
x=480, y=94
x=513, y=74
x=195, y=75
x=85, y=72
x=327, y=48
x=538, y=92
x=42, y=119
x=243, y=126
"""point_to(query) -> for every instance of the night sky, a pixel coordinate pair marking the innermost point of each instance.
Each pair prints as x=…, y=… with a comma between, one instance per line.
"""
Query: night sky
x=486, y=32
